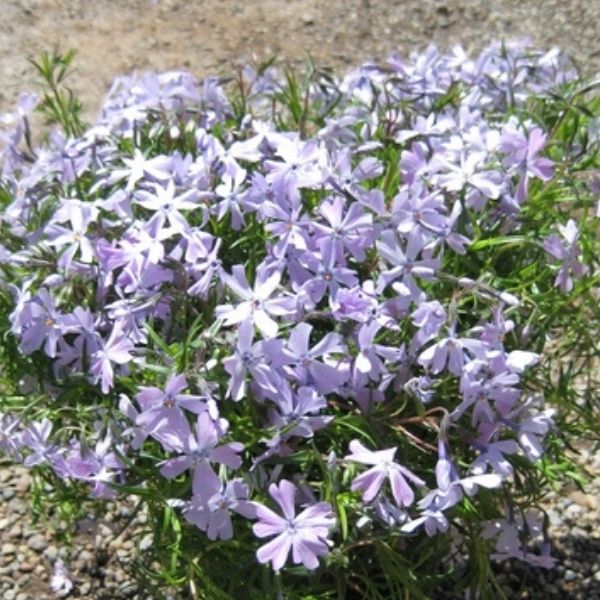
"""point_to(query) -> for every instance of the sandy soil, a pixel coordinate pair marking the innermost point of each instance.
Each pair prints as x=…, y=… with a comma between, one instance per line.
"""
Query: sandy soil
x=114, y=37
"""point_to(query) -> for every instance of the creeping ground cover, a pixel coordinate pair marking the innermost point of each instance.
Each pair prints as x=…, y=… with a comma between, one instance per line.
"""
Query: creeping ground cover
x=335, y=335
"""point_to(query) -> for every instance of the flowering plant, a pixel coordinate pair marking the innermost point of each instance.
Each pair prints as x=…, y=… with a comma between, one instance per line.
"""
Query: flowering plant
x=339, y=295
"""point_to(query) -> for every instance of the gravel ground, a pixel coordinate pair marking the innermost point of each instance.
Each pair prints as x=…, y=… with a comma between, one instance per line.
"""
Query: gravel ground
x=113, y=37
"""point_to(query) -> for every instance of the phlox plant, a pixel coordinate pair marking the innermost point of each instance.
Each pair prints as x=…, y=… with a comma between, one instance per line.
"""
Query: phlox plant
x=335, y=335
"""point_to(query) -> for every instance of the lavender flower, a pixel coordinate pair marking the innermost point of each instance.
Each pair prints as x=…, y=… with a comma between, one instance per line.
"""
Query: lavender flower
x=567, y=251
x=199, y=451
x=256, y=304
x=451, y=487
x=210, y=511
x=162, y=413
x=302, y=363
x=254, y=359
x=305, y=534
x=60, y=582
x=370, y=481
x=117, y=349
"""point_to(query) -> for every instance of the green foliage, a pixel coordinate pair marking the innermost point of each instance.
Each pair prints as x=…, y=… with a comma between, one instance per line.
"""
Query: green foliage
x=59, y=104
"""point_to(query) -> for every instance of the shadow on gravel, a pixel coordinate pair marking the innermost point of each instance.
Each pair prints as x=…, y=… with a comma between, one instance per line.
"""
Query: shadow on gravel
x=576, y=575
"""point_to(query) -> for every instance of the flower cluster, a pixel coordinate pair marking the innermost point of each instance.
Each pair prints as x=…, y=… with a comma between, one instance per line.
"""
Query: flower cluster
x=236, y=291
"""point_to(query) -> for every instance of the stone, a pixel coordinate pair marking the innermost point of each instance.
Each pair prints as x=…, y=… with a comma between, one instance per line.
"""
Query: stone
x=16, y=531
x=8, y=493
x=8, y=548
x=51, y=553
x=18, y=506
x=23, y=483
x=84, y=588
x=26, y=567
x=86, y=556
x=37, y=542
x=573, y=511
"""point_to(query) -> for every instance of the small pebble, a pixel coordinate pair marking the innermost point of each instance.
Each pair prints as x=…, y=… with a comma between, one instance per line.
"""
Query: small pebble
x=23, y=483
x=8, y=548
x=37, y=542
x=84, y=588
x=8, y=493
x=18, y=506
x=51, y=553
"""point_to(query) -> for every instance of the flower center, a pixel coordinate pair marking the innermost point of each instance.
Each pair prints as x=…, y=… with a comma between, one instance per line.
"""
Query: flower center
x=291, y=526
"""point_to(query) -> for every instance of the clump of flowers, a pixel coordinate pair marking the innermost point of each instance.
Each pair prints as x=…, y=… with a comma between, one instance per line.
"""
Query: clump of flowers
x=330, y=294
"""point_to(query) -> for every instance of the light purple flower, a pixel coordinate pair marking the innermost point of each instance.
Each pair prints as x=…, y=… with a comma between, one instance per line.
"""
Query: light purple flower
x=492, y=454
x=303, y=164
x=429, y=318
x=515, y=534
x=167, y=206
x=433, y=521
x=532, y=430
x=42, y=324
x=296, y=414
x=199, y=451
x=450, y=353
x=60, y=582
x=210, y=511
x=161, y=414
x=117, y=349
x=73, y=239
x=522, y=151
x=369, y=362
x=232, y=197
x=302, y=360
x=451, y=487
x=352, y=231
x=353, y=303
x=305, y=534
x=384, y=467
x=10, y=440
x=35, y=438
x=251, y=358
x=257, y=305
x=323, y=274
x=566, y=250
x=138, y=168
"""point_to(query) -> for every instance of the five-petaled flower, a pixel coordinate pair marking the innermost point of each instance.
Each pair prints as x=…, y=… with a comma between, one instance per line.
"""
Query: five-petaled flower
x=305, y=534
x=383, y=468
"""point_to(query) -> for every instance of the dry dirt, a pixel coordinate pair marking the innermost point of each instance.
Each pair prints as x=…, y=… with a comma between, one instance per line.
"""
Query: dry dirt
x=114, y=37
